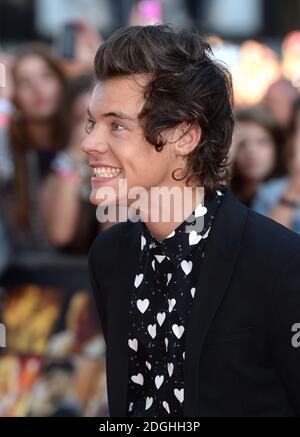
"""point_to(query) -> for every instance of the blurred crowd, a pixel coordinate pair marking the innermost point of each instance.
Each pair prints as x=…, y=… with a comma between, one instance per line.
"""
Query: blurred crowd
x=44, y=178
x=45, y=189
x=265, y=155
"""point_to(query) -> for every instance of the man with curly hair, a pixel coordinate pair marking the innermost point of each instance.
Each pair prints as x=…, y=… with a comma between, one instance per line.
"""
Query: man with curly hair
x=199, y=310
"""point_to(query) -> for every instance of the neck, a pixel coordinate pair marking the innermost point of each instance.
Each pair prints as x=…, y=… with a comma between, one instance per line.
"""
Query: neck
x=162, y=216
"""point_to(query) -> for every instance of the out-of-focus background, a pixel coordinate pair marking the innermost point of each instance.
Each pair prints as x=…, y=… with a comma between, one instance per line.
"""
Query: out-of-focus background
x=54, y=360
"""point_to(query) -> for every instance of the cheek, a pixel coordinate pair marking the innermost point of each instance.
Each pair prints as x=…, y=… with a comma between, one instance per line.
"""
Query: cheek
x=152, y=169
x=241, y=159
x=142, y=164
x=139, y=173
x=25, y=98
x=268, y=157
x=53, y=92
x=268, y=160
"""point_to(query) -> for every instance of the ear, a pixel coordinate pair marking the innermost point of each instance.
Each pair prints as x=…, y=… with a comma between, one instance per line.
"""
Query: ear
x=186, y=138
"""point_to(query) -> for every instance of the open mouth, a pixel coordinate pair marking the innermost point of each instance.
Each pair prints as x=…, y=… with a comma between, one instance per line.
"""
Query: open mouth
x=106, y=172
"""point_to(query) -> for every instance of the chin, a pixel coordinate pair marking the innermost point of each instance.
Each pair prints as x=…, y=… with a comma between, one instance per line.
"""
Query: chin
x=99, y=202
x=94, y=201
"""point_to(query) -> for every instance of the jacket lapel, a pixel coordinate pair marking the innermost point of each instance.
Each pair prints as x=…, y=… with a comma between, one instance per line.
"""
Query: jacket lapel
x=219, y=261
x=118, y=323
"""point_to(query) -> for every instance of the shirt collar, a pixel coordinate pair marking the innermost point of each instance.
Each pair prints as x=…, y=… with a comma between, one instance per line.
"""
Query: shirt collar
x=177, y=245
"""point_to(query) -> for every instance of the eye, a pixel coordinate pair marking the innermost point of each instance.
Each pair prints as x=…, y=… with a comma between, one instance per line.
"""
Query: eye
x=90, y=124
x=117, y=126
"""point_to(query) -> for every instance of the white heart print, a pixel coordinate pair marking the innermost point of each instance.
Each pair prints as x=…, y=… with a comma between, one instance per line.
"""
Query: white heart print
x=160, y=258
x=153, y=264
x=138, y=279
x=194, y=238
x=161, y=318
x=169, y=276
x=178, y=330
x=142, y=305
x=148, y=365
x=149, y=402
x=172, y=303
x=143, y=242
x=193, y=291
x=200, y=210
x=166, y=406
x=133, y=344
x=152, y=330
x=179, y=394
x=138, y=379
x=159, y=379
x=170, y=369
x=186, y=266
x=166, y=343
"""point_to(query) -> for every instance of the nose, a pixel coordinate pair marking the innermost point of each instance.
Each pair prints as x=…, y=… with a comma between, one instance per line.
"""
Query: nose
x=38, y=86
x=93, y=145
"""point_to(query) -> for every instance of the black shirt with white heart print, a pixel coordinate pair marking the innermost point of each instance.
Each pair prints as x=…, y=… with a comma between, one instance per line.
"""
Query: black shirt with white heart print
x=160, y=306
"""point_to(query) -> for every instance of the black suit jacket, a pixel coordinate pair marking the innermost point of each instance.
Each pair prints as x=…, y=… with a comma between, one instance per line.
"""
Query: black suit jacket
x=241, y=354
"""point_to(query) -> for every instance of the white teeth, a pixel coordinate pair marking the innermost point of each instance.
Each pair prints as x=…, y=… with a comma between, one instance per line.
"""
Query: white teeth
x=107, y=172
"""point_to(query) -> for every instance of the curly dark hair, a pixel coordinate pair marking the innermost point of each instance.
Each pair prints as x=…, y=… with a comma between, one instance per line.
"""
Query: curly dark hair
x=186, y=85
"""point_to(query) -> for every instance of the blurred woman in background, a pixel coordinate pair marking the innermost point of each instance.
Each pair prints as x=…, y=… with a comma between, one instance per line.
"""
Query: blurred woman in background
x=279, y=100
x=256, y=153
x=69, y=216
x=31, y=132
x=280, y=198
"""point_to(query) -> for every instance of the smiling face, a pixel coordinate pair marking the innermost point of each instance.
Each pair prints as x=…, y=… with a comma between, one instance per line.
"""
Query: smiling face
x=115, y=145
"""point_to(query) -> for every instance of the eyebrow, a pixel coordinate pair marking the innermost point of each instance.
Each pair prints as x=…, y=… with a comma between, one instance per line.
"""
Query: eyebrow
x=114, y=114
